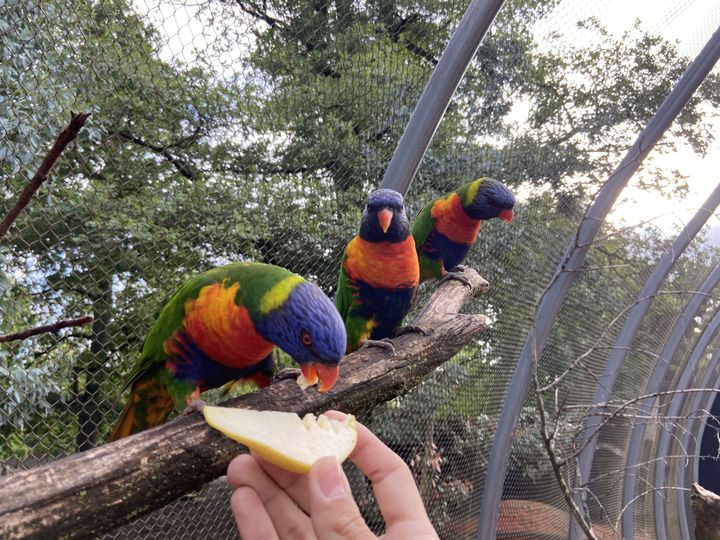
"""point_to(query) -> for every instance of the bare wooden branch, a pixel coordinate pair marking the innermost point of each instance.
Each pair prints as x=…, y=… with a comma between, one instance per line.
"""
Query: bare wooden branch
x=77, y=121
x=183, y=167
x=46, y=329
x=101, y=489
x=706, y=505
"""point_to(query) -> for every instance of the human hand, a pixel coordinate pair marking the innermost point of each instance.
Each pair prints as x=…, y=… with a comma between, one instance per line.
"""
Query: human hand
x=272, y=503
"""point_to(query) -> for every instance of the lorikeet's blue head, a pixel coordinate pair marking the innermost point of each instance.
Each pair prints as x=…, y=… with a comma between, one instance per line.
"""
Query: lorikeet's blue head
x=492, y=200
x=384, y=218
x=308, y=327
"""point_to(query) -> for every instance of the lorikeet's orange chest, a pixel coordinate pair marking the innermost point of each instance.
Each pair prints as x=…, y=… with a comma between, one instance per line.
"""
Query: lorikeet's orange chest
x=452, y=221
x=222, y=329
x=383, y=264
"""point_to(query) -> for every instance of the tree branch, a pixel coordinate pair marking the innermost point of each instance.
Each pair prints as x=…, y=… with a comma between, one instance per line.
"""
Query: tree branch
x=180, y=164
x=549, y=443
x=46, y=329
x=251, y=8
x=77, y=121
x=706, y=505
x=101, y=489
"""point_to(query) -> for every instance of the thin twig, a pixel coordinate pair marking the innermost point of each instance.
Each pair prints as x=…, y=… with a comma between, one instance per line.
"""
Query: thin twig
x=620, y=410
x=46, y=329
x=549, y=443
x=77, y=121
x=578, y=360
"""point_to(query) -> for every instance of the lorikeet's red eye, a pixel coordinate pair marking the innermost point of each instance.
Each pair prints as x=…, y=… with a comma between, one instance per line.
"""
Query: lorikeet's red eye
x=306, y=339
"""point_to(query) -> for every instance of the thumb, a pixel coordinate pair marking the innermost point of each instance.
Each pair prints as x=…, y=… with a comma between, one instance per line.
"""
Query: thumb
x=333, y=511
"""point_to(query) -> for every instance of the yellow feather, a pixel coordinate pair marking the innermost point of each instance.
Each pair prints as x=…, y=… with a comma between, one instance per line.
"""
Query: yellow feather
x=277, y=295
x=473, y=189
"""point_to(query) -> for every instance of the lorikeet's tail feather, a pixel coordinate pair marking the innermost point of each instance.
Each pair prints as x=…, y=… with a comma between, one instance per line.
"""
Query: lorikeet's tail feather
x=149, y=405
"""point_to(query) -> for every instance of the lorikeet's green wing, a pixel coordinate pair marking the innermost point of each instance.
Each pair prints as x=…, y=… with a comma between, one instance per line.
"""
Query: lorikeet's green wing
x=343, y=295
x=423, y=225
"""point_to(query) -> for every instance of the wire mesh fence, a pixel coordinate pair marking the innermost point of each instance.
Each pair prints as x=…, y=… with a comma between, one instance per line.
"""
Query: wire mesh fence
x=227, y=130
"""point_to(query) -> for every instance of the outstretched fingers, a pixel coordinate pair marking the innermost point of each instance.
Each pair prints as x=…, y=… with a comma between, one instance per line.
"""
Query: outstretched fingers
x=393, y=483
x=251, y=518
x=289, y=521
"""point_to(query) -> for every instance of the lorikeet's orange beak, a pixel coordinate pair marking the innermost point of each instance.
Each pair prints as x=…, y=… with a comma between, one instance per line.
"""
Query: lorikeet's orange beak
x=506, y=216
x=384, y=218
x=327, y=375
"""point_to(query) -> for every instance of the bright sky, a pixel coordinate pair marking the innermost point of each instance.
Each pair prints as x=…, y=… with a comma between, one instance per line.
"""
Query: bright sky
x=184, y=32
x=691, y=23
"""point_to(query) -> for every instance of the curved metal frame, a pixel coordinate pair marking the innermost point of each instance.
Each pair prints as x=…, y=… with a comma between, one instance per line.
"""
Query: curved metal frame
x=629, y=330
x=698, y=434
x=566, y=273
x=634, y=452
x=438, y=92
x=663, y=445
x=701, y=426
x=686, y=443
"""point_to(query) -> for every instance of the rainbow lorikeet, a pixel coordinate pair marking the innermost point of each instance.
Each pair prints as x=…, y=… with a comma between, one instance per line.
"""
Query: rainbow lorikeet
x=446, y=228
x=379, y=274
x=222, y=326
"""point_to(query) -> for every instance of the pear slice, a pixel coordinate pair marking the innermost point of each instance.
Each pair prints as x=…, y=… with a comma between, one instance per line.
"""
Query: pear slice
x=284, y=439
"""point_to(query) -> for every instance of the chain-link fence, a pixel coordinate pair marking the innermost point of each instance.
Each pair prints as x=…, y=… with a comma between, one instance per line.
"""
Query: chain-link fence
x=252, y=130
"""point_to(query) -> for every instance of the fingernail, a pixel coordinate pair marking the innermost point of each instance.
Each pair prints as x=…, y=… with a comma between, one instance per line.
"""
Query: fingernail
x=331, y=478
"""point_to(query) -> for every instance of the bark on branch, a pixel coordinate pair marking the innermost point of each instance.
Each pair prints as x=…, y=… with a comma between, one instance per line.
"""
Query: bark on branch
x=77, y=121
x=706, y=505
x=101, y=489
x=46, y=329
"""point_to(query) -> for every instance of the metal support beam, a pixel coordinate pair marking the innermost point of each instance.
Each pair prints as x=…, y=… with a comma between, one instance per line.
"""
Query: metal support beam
x=436, y=96
x=663, y=446
x=634, y=453
x=686, y=442
x=624, y=341
x=565, y=275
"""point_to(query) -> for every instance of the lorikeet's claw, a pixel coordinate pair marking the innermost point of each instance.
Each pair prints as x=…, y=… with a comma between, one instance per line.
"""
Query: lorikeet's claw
x=456, y=273
x=194, y=405
x=384, y=343
x=411, y=328
x=287, y=373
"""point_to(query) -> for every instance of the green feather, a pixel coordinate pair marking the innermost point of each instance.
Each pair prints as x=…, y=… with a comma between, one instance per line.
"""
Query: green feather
x=423, y=225
x=343, y=295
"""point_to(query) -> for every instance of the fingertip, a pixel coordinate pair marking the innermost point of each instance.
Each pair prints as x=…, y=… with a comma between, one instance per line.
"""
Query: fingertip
x=333, y=510
x=238, y=469
x=328, y=478
x=251, y=517
x=242, y=498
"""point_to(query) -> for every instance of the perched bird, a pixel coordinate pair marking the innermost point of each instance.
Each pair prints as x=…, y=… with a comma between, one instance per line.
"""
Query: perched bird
x=445, y=228
x=222, y=326
x=379, y=274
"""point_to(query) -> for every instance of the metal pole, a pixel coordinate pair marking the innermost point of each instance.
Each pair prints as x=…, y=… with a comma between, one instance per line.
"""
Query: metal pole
x=566, y=273
x=632, y=460
x=701, y=427
x=630, y=327
x=686, y=443
x=440, y=88
x=664, y=440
